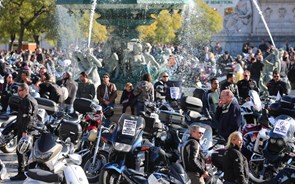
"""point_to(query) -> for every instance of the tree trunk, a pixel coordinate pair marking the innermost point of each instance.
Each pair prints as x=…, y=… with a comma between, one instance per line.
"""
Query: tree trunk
x=21, y=35
x=12, y=38
x=36, y=38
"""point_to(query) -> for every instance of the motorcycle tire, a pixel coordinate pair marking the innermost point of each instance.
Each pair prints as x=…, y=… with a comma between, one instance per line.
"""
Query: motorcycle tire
x=110, y=176
x=10, y=147
x=92, y=172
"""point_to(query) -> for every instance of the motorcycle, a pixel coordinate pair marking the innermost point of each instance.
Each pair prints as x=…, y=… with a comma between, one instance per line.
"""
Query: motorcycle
x=279, y=147
x=52, y=159
x=127, y=144
x=8, y=135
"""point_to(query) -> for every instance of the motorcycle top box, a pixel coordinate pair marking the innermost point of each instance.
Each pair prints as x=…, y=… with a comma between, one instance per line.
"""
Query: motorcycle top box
x=190, y=103
x=171, y=117
x=50, y=106
x=70, y=129
x=129, y=129
x=83, y=105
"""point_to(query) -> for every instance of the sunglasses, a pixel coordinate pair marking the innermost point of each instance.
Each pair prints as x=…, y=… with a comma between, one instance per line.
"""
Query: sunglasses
x=165, y=76
x=20, y=90
x=105, y=77
x=275, y=76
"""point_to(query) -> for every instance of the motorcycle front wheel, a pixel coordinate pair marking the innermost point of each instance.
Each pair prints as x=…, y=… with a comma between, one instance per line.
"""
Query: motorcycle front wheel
x=92, y=171
x=10, y=147
x=109, y=176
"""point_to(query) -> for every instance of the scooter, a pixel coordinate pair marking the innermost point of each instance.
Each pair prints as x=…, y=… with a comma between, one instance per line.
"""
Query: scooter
x=53, y=161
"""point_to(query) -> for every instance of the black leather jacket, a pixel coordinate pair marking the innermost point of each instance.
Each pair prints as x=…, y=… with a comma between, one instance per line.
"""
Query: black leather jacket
x=27, y=113
x=235, y=166
x=193, y=158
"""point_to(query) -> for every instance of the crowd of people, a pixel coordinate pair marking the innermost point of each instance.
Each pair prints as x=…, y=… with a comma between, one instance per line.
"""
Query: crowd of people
x=220, y=104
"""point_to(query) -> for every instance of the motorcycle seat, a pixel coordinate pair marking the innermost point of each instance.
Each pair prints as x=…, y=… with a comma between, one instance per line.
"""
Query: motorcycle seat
x=134, y=172
x=45, y=176
x=5, y=119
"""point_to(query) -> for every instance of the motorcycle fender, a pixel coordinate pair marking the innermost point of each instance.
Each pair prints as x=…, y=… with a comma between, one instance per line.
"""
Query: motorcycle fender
x=75, y=174
x=114, y=166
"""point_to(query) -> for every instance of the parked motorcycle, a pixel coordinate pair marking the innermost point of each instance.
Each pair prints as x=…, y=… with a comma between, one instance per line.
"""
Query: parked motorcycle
x=52, y=160
x=279, y=147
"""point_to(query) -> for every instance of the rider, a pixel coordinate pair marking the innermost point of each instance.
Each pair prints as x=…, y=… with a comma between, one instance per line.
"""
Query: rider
x=27, y=112
x=193, y=159
x=162, y=88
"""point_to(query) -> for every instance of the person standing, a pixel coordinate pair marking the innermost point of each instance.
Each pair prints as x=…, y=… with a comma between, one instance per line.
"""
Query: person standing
x=86, y=88
x=210, y=99
x=72, y=88
x=228, y=114
x=194, y=161
x=230, y=84
x=236, y=170
x=106, y=92
x=27, y=112
x=144, y=91
x=128, y=99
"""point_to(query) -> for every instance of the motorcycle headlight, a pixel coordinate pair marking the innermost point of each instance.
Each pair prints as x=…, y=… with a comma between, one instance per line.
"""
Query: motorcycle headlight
x=122, y=147
x=272, y=140
x=280, y=142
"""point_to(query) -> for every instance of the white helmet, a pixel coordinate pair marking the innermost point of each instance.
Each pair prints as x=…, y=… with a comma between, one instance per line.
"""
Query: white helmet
x=25, y=144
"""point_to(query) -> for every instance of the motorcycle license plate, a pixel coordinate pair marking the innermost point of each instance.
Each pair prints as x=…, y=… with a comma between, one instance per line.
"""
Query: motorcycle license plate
x=129, y=127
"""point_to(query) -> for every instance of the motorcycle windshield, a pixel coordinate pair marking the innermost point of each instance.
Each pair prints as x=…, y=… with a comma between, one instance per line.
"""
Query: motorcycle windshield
x=284, y=128
x=255, y=99
x=129, y=128
x=46, y=142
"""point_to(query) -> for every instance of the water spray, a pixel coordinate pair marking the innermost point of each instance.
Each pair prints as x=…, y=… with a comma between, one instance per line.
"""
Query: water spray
x=264, y=22
x=91, y=22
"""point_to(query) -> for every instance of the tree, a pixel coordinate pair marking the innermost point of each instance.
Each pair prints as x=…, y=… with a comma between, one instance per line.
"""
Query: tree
x=200, y=23
x=163, y=30
x=99, y=32
x=21, y=14
x=194, y=26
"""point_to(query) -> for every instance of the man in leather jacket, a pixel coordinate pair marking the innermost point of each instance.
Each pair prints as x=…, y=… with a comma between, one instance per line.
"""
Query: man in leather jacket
x=193, y=159
x=245, y=85
x=27, y=112
x=106, y=92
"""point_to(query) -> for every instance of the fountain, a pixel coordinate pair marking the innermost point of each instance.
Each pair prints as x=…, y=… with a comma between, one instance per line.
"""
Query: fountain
x=122, y=49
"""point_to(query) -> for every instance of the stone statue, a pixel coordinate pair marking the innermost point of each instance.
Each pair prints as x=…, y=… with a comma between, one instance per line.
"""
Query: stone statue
x=111, y=62
x=240, y=20
x=88, y=62
x=134, y=62
x=271, y=62
x=152, y=64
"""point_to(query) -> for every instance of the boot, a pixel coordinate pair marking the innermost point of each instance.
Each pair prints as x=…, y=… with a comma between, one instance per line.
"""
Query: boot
x=19, y=177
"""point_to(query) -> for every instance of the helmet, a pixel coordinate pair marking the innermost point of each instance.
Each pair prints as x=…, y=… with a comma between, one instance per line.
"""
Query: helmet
x=92, y=135
x=25, y=144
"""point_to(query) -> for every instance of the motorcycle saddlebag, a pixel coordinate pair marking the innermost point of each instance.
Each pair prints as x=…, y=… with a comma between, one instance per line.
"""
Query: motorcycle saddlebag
x=83, y=105
x=171, y=117
x=13, y=102
x=191, y=103
x=70, y=129
x=49, y=105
